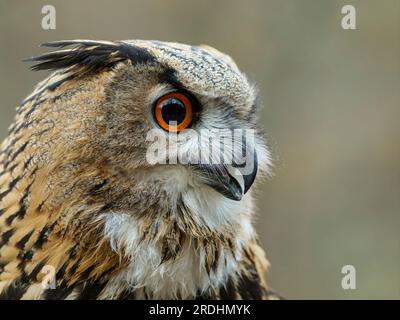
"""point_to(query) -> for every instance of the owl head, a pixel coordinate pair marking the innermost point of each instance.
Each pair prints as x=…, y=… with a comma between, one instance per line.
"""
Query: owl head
x=152, y=129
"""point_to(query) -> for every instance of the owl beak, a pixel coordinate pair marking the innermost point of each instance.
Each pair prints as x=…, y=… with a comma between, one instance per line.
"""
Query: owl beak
x=232, y=181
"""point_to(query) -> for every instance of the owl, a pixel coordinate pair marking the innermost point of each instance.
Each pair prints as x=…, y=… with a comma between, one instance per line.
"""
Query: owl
x=86, y=213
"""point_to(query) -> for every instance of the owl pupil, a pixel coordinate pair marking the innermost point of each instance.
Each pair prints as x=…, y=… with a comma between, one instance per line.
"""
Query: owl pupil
x=173, y=110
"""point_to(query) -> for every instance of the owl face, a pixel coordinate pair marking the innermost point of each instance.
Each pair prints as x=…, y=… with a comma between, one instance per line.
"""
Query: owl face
x=172, y=103
x=176, y=124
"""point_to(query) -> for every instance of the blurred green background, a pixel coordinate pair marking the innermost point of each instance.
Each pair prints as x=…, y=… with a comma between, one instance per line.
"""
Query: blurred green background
x=331, y=110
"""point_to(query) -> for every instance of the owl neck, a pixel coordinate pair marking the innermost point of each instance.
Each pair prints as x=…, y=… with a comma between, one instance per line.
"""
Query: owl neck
x=166, y=261
x=97, y=251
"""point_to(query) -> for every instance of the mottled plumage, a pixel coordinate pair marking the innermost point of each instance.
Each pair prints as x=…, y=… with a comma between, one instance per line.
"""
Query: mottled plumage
x=77, y=194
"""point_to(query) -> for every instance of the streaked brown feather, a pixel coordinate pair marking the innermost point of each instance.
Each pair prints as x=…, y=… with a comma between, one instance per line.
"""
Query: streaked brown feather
x=53, y=182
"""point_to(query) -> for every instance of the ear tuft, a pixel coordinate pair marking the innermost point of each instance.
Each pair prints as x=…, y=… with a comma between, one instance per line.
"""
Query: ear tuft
x=88, y=56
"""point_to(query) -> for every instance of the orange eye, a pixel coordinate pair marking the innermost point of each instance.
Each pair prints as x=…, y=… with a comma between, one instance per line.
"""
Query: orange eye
x=173, y=112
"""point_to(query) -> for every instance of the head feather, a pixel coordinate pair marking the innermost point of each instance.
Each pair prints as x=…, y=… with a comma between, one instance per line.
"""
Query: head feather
x=86, y=56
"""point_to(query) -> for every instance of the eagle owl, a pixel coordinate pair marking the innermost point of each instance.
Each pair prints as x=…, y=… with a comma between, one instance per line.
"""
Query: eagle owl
x=79, y=198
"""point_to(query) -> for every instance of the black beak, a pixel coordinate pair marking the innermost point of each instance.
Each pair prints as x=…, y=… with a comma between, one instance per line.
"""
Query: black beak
x=232, y=181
